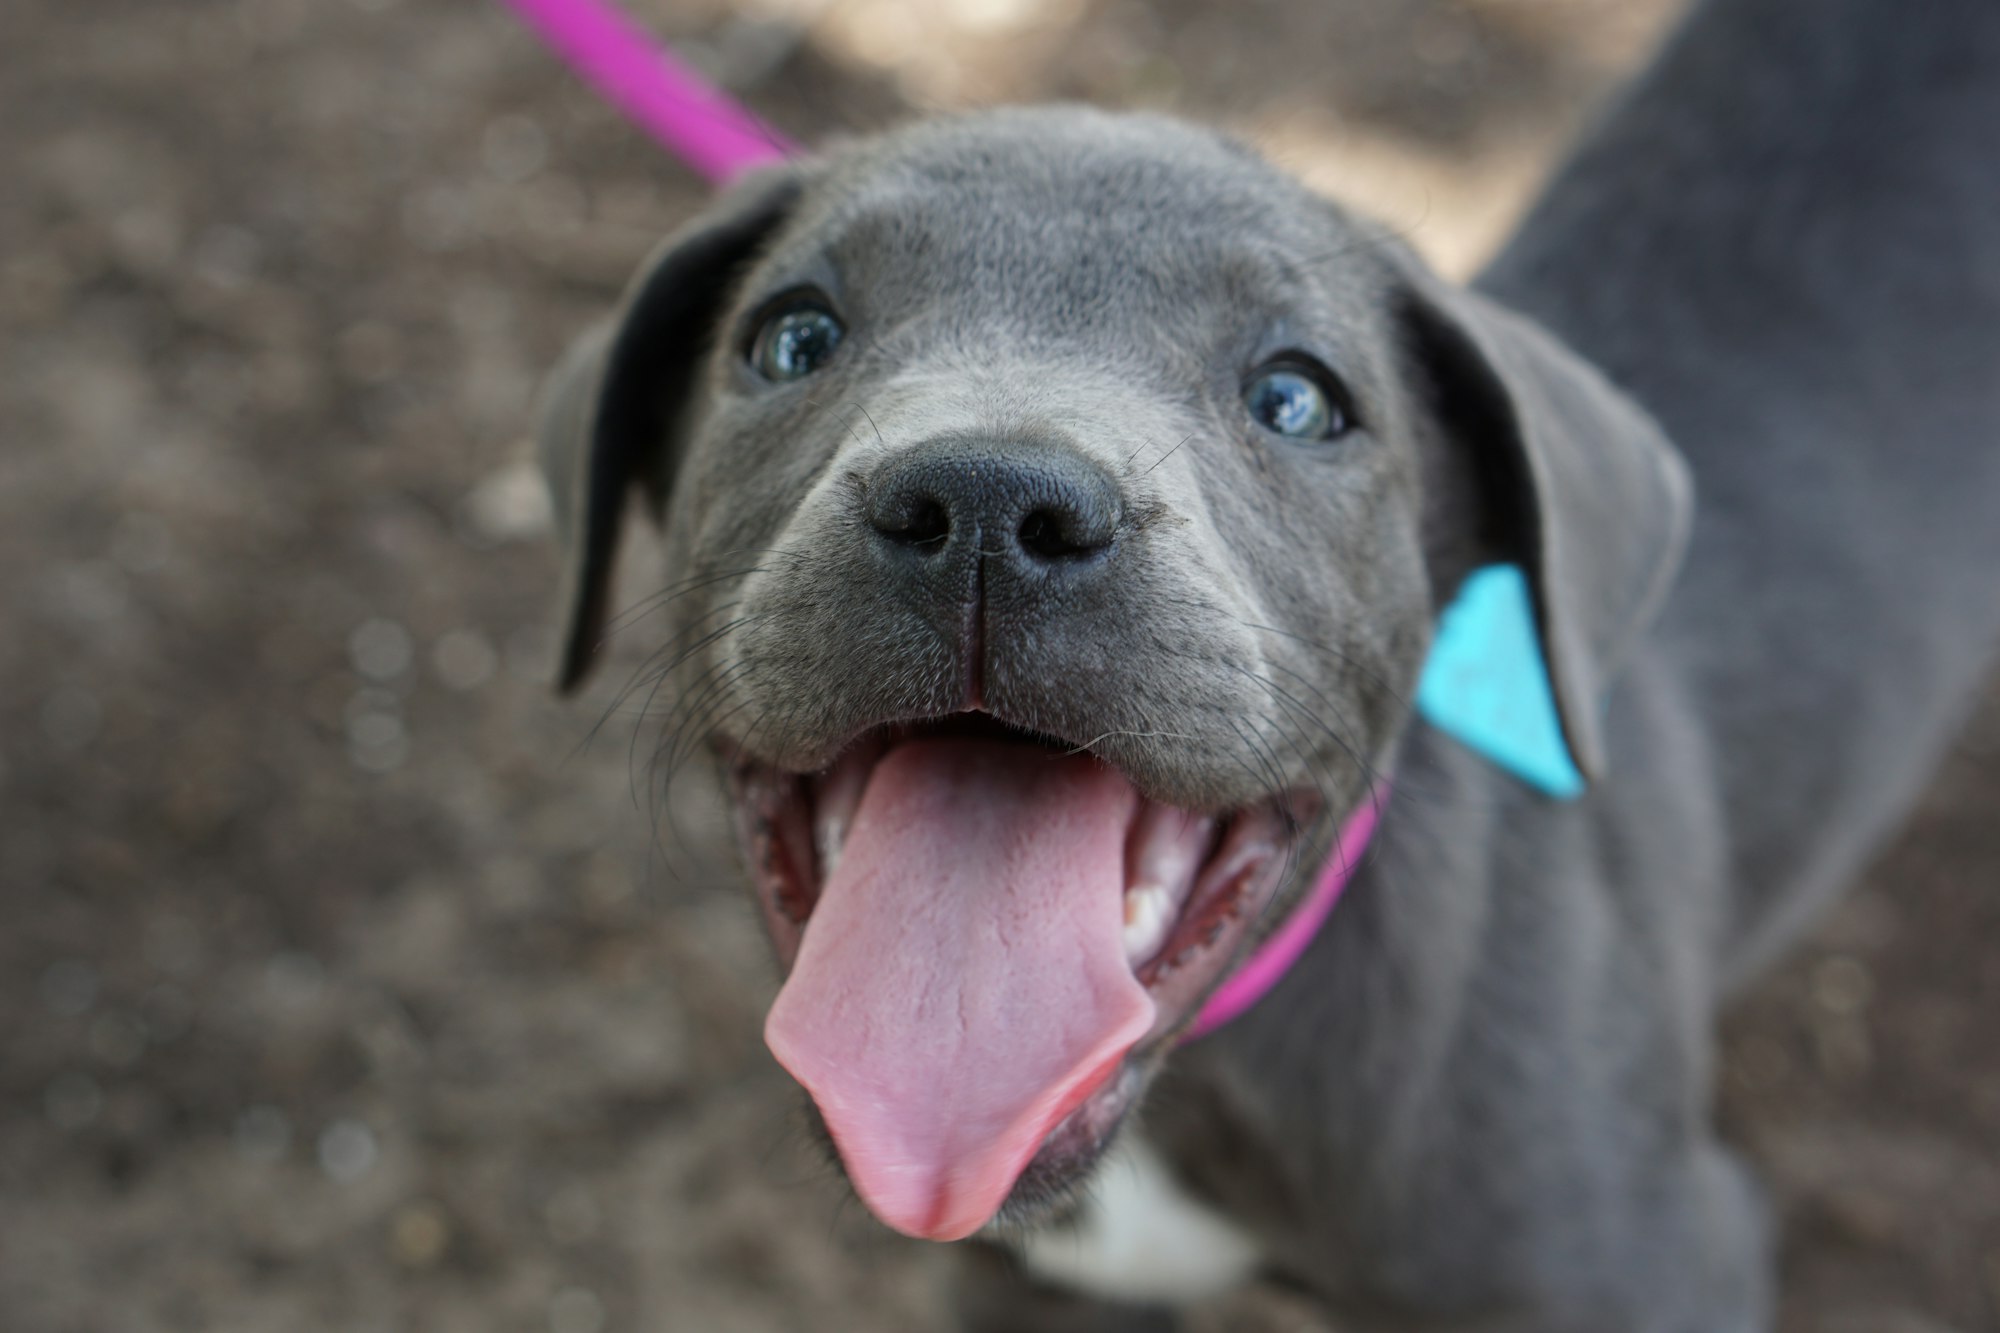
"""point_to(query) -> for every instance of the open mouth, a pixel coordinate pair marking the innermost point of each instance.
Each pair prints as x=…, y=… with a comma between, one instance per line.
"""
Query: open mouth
x=987, y=934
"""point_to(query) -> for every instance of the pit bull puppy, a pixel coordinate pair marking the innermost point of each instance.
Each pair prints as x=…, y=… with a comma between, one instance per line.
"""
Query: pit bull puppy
x=1058, y=508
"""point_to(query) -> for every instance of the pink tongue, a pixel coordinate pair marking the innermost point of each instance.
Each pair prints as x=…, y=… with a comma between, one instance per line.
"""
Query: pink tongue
x=962, y=984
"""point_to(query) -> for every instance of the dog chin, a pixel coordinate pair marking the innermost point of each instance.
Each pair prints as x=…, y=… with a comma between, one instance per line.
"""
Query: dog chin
x=1058, y=1175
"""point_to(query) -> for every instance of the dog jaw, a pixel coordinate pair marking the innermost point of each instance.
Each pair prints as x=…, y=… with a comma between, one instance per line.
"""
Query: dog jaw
x=1193, y=888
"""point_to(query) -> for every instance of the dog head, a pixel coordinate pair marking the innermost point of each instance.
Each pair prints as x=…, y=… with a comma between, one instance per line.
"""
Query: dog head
x=1057, y=506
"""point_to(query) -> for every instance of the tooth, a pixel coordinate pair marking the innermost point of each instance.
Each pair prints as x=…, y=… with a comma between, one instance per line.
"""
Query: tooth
x=829, y=836
x=1166, y=846
x=1149, y=911
x=836, y=795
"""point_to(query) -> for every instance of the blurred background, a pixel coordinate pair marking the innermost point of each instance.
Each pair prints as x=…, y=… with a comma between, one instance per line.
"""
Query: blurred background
x=345, y=982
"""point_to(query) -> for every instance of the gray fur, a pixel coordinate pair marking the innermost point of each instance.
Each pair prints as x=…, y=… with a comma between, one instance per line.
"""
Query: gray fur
x=1481, y=1102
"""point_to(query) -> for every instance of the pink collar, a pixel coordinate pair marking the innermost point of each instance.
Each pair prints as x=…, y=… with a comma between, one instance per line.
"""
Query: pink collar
x=1267, y=965
x=719, y=139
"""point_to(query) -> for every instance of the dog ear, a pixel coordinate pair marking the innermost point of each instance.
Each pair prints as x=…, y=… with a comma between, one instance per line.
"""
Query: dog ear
x=614, y=403
x=1577, y=483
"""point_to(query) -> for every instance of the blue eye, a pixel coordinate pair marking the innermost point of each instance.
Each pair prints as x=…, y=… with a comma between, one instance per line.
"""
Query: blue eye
x=795, y=342
x=1291, y=403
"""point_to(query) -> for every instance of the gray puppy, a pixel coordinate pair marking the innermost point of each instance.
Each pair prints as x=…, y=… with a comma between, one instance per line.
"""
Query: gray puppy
x=1058, y=507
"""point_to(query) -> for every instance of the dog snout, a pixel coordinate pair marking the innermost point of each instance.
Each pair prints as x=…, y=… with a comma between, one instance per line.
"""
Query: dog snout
x=1026, y=506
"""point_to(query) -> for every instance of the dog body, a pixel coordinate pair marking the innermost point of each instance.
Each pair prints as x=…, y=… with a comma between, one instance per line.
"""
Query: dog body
x=1017, y=492
x=1785, y=243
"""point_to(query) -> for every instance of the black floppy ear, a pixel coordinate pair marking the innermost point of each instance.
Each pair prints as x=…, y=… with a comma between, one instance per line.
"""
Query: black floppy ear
x=613, y=404
x=1581, y=488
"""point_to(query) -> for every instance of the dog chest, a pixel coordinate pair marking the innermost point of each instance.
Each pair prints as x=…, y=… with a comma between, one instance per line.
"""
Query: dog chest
x=1141, y=1237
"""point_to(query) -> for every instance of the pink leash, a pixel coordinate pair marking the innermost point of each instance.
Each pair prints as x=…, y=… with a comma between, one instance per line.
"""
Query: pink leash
x=721, y=140
x=661, y=94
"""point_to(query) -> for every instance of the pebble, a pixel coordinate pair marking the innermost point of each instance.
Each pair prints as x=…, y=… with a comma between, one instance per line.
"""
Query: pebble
x=419, y=1234
x=261, y=1134
x=72, y=1101
x=294, y=978
x=166, y=1012
x=514, y=148
x=68, y=988
x=377, y=742
x=576, y=1310
x=571, y=1215
x=71, y=717
x=117, y=1039
x=380, y=649
x=1842, y=985
x=509, y=505
x=174, y=944
x=347, y=1151
x=464, y=659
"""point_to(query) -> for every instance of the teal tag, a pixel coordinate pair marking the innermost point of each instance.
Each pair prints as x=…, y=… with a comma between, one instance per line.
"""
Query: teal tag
x=1485, y=682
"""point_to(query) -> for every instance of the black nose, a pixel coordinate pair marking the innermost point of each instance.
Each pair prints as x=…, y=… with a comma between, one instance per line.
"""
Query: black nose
x=1025, y=504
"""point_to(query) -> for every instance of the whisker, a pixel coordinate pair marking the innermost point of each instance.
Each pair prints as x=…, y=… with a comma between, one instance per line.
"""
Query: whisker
x=667, y=596
x=694, y=697
x=1344, y=658
x=662, y=780
x=1134, y=735
x=640, y=675
x=1168, y=454
x=661, y=676
x=1278, y=691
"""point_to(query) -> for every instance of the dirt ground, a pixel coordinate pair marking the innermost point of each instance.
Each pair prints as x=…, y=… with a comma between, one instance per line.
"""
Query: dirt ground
x=343, y=982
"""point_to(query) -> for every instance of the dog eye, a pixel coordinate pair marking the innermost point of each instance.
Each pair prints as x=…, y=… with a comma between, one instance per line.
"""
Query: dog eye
x=795, y=342
x=1288, y=401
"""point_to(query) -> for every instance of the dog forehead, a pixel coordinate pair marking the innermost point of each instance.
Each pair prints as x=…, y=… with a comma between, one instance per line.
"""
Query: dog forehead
x=1034, y=203
x=1070, y=156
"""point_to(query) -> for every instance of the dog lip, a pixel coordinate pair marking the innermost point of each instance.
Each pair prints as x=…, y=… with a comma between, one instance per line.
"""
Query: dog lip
x=791, y=825
x=976, y=721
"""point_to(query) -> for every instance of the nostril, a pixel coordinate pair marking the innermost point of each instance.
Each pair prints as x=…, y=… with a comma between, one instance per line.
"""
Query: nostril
x=915, y=521
x=928, y=522
x=1051, y=534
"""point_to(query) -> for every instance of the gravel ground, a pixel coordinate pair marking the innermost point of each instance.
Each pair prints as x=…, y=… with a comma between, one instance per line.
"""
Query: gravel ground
x=348, y=981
